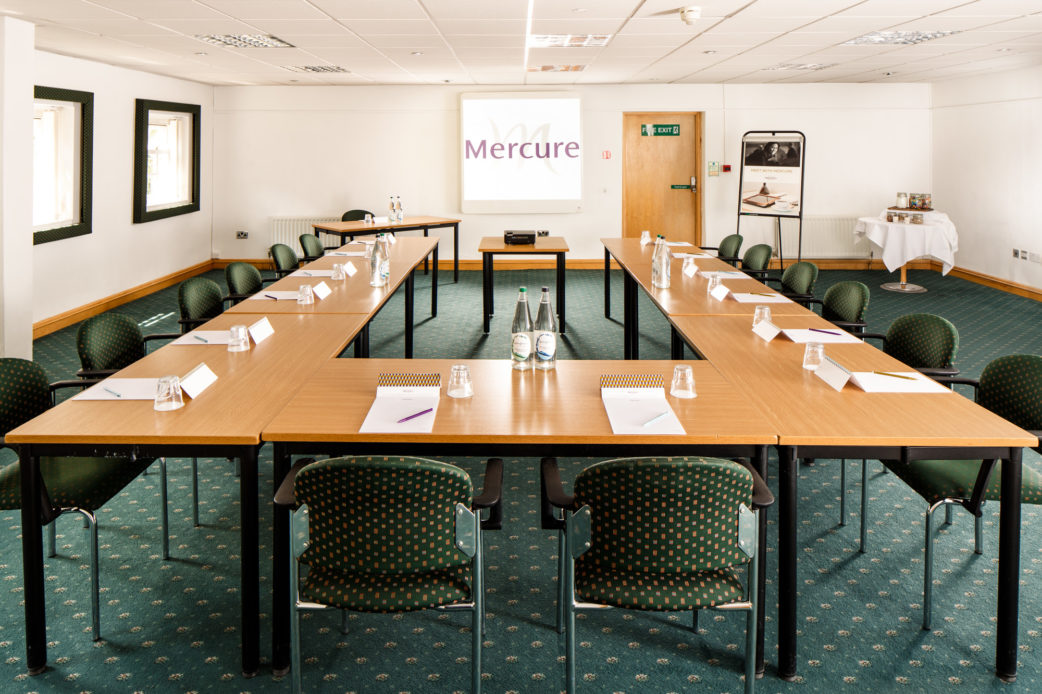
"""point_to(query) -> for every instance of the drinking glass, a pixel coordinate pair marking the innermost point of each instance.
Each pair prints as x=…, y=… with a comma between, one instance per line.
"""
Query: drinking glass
x=645, y=237
x=813, y=355
x=761, y=313
x=305, y=295
x=688, y=266
x=683, y=385
x=368, y=218
x=338, y=272
x=168, y=394
x=712, y=283
x=238, y=339
x=460, y=383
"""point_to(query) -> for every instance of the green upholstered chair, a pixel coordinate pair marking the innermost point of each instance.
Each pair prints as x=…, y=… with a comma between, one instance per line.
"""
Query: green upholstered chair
x=728, y=248
x=313, y=248
x=109, y=342
x=923, y=341
x=1011, y=387
x=354, y=215
x=243, y=280
x=73, y=484
x=285, y=259
x=797, y=281
x=389, y=534
x=756, y=260
x=198, y=299
x=844, y=305
x=659, y=534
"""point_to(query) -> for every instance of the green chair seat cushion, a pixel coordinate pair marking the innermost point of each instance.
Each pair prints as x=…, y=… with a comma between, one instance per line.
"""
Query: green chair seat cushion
x=386, y=592
x=86, y=483
x=954, y=479
x=659, y=591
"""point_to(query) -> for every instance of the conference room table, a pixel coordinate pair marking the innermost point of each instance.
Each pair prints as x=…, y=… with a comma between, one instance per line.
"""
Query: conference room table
x=512, y=413
x=685, y=295
x=352, y=295
x=225, y=420
x=813, y=420
x=349, y=230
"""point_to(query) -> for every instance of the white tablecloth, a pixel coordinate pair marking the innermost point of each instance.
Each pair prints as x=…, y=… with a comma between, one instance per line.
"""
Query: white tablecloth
x=899, y=243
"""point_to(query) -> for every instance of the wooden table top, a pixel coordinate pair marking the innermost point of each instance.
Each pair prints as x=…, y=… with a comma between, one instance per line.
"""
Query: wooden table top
x=361, y=226
x=806, y=411
x=351, y=295
x=543, y=244
x=560, y=406
x=251, y=388
x=688, y=295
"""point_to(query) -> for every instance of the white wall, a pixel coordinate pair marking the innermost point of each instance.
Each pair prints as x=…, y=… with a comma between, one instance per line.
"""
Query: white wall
x=986, y=150
x=300, y=151
x=119, y=255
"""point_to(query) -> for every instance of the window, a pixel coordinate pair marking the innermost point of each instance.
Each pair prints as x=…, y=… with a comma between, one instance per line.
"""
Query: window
x=63, y=126
x=166, y=160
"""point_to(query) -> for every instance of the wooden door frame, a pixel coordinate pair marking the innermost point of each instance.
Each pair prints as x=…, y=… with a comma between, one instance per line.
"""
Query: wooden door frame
x=699, y=161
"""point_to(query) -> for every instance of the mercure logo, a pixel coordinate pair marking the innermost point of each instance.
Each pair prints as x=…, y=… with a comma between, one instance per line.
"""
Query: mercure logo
x=517, y=143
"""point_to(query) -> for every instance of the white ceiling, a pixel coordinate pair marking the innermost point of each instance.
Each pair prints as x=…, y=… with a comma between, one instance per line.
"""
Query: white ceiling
x=483, y=41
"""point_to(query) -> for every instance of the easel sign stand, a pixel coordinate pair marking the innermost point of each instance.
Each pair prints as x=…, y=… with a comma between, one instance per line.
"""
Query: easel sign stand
x=771, y=181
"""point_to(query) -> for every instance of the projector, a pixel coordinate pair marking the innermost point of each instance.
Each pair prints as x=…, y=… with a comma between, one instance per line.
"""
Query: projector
x=519, y=238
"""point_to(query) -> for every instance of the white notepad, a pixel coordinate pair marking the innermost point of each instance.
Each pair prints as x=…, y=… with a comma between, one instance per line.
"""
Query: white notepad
x=747, y=298
x=723, y=274
x=404, y=396
x=830, y=336
x=900, y=382
x=348, y=254
x=636, y=404
x=121, y=389
x=275, y=296
x=312, y=273
x=203, y=337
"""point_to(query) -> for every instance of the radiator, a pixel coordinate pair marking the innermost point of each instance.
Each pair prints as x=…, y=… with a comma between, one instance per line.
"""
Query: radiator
x=830, y=237
x=287, y=230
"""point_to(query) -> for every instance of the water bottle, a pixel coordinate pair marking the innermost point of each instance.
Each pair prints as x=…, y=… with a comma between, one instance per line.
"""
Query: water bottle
x=391, y=214
x=399, y=215
x=660, y=264
x=521, y=334
x=379, y=263
x=545, y=333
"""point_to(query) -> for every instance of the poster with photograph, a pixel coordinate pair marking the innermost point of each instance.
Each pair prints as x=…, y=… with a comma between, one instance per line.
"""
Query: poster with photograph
x=772, y=174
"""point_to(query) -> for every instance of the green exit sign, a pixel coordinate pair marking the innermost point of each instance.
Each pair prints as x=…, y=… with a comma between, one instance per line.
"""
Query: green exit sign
x=658, y=130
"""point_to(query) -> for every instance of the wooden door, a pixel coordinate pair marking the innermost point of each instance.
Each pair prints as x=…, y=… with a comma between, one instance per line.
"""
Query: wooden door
x=651, y=165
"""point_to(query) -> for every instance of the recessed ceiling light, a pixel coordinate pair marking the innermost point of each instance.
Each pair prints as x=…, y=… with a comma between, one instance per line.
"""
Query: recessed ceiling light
x=708, y=52
x=416, y=53
x=897, y=37
x=244, y=40
x=202, y=53
x=578, y=10
x=801, y=66
x=1004, y=50
x=568, y=40
x=556, y=68
x=315, y=68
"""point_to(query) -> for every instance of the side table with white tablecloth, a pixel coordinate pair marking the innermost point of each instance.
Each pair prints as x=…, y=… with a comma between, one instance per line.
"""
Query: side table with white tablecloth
x=900, y=242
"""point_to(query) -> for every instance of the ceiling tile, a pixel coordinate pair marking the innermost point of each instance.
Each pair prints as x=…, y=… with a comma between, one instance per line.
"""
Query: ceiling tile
x=387, y=27
x=264, y=9
x=161, y=9
x=580, y=26
x=590, y=9
x=486, y=27
x=302, y=27
x=370, y=9
x=994, y=8
x=478, y=9
x=711, y=9
x=207, y=26
x=899, y=8
x=58, y=10
x=781, y=9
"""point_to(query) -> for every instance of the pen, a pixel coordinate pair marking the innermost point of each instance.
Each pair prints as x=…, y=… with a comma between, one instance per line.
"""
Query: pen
x=764, y=294
x=414, y=416
x=200, y=338
x=655, y=419
x=306, y=273
x=884, y=373
x=109, y=390
x=272, y=297
x=827, y=332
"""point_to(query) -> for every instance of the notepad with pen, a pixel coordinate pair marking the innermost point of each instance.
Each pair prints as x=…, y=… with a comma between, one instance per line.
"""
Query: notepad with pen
x=405, y=403
x=636, y=404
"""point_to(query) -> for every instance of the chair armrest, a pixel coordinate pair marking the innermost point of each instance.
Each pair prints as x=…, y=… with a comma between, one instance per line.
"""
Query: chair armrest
x=191, y=323
x=492, y=495
x=162, y=336
x=762, y=497
x=80, y=383
x=309, y=258
x=95, y=375
x=710, y=248
x=941, y=375
x=877, y=336
x=758, y=274
x=765, y=280
x=284, y=494
x=553, y=495
x=854, y=327
x=269, y=280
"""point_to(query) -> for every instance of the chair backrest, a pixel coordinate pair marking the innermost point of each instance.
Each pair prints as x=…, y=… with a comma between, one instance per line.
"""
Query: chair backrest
x=354, y=215
x=382, y=515
x=284, y=257
x=24, y=392
x=1011, y=387
x=313, y=248
x=109, y=341
x=923, y=341
x=730, y=246
x=199, y=298
x=799, y=278
x=757, y=257
x=242, y=278
x=845, y=301
x=664, y=515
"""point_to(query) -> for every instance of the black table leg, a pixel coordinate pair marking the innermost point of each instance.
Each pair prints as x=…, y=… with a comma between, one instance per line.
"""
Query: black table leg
x=32, y=563
x=249, y=558
x=426, y=265
x=630, y=332
x=1009, y=568
x=455, y=252
x=607, y=284
x=486, y=290
x=362, y=343
x=410, y=286
x=560, y=291
x=760, y=461
x=434, y=286
x=787, y=562
x=280, y=589
x=676, y=346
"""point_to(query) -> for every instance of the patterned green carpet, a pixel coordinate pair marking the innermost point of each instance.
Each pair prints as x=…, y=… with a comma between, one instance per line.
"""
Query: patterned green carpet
x=174, y=626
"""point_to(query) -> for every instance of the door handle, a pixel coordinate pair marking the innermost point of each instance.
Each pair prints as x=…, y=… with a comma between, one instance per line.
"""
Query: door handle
x=694, y=184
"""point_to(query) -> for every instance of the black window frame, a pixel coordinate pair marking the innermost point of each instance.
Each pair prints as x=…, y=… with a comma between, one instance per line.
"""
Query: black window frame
x=142, y=108
x=86, y=102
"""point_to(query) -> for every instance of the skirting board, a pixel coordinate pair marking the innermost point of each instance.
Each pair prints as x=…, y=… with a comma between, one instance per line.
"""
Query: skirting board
x=62, y=320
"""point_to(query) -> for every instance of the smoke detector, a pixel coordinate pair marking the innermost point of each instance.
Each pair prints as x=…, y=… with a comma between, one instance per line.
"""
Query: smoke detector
x=690, y=15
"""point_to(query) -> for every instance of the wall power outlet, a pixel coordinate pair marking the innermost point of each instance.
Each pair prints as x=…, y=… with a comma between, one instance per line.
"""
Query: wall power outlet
x=242, y=234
